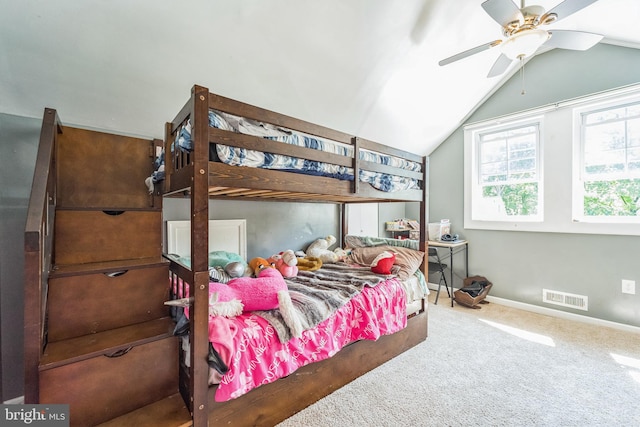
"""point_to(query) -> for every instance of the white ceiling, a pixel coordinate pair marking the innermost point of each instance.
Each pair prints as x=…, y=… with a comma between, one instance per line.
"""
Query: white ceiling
x=366, y=67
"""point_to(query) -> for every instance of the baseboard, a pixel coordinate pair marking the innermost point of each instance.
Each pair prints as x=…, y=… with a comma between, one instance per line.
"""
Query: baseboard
x=15, y=401
x=563, y=314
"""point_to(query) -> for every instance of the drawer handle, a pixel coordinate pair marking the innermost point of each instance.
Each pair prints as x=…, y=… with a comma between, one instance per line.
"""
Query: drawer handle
x=119, y=353
x=113, y=213
x=116, y=273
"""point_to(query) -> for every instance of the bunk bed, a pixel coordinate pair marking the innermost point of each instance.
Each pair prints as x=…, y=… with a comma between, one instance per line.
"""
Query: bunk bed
x=219, y=148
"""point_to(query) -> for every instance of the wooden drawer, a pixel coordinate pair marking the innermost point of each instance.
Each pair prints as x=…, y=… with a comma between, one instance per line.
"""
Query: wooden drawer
x=88, y=303
x=103, y=171
x=97, y=236
x=117, y=385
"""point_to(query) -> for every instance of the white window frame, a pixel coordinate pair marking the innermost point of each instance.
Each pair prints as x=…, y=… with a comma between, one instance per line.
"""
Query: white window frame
x=578, y=160
x=560, y=165
x=477, y=186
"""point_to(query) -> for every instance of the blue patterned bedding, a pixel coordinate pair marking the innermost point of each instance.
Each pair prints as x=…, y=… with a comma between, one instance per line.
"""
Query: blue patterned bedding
x=243, y=157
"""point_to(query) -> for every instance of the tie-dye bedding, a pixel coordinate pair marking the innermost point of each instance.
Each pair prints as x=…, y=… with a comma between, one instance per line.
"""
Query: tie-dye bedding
x=258, y=357
x=251, y=158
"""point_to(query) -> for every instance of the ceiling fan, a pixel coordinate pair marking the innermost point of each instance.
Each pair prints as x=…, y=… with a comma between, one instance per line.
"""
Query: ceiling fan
x=524, y=35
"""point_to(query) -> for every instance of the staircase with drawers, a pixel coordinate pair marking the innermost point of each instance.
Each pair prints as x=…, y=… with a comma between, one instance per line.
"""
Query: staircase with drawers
x=106, y=346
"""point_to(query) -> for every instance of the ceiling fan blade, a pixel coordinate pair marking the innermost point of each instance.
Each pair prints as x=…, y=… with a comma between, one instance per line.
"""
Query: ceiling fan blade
x=500, y=66
x=574, y=40
x=469, y=52
x=569, y=7
x=503, y=11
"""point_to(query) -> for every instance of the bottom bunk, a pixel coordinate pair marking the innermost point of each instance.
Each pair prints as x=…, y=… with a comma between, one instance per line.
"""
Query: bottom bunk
x=261, y=372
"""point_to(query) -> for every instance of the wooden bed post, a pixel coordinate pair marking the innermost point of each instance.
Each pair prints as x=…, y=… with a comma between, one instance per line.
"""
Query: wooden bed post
x=423, y=245
x=344, y=224
x=356, y=164
x=200, y=255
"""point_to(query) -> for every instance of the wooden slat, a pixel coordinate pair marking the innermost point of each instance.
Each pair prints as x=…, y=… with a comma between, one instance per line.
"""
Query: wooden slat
x=275, y=147
x=252, y=112
x=391, y=151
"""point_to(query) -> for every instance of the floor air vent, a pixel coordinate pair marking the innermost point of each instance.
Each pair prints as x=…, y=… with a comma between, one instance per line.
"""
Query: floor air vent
x=580, y=302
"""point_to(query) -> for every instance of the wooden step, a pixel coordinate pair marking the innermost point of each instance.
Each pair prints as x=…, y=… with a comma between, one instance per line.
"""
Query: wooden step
x=102, y=170
x=91, y=298
x=106, y=386
x=106, y=266
x=168, y=412
x=92, y=236
x=72, y=350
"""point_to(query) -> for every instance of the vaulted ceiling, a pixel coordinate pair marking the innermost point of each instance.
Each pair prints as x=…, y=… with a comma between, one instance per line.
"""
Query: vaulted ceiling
x=366, y=67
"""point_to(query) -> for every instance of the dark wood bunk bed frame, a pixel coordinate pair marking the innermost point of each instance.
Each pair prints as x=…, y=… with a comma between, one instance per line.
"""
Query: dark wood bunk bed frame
x=194, y=175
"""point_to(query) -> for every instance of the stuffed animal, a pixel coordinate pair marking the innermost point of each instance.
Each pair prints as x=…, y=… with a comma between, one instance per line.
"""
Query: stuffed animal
x=267, y=291
x=309, y=263
x=224, y=266
x=285, y=262
x=383, y=263
x=258, y=264
x=320, y=249
x=341, y=253
x=230, y=271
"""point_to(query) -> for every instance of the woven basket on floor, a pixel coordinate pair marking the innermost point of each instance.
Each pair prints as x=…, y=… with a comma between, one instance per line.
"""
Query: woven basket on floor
x=464, y=298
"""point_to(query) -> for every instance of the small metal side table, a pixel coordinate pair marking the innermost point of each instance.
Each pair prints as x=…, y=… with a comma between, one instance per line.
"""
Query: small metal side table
x=454, y=248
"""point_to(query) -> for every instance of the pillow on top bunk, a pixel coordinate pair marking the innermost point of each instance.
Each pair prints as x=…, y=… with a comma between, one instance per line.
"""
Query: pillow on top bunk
x=408, y=260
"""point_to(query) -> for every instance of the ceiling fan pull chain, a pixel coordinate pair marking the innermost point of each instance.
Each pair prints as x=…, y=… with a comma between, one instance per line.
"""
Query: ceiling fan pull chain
x=522, y=73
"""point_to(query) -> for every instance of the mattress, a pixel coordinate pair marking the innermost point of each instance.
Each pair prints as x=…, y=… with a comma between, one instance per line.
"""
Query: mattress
x=256, y=355
x=251, y=158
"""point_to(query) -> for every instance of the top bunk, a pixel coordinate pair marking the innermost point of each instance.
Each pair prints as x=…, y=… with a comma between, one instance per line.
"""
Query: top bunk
x=232, y=150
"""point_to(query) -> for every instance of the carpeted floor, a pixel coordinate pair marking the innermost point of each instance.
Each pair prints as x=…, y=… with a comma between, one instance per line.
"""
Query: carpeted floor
x=497, y=366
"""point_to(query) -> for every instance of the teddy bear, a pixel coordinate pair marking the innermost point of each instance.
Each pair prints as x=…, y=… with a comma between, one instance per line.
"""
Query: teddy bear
x=266, y=291
x=285, y=262
x=320, y=249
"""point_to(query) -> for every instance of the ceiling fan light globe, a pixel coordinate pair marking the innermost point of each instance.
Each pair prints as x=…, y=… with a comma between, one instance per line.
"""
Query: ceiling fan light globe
x=524, y=43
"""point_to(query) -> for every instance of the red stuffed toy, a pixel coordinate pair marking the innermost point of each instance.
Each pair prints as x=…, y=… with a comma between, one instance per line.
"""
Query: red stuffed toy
x=383, y=263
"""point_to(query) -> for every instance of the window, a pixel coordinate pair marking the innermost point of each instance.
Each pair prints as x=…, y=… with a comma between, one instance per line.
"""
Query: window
x=608, y=186
x=507, y=177
x=568, y=167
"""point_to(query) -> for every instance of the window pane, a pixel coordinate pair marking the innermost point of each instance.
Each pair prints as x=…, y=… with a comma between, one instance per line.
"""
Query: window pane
x=515, y=199
x=612, y=198
x=507, y=173
x=493, y=172
x=493, y=151
x=633, y=156
x=522, y=165
x=604, y=148
x=633, y=133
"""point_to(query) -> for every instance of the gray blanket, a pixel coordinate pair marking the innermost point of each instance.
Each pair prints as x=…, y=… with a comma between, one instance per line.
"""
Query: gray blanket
x=318, y=294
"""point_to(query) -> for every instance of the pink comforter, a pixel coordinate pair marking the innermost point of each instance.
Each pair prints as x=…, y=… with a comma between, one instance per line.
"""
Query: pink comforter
x=256, y=356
